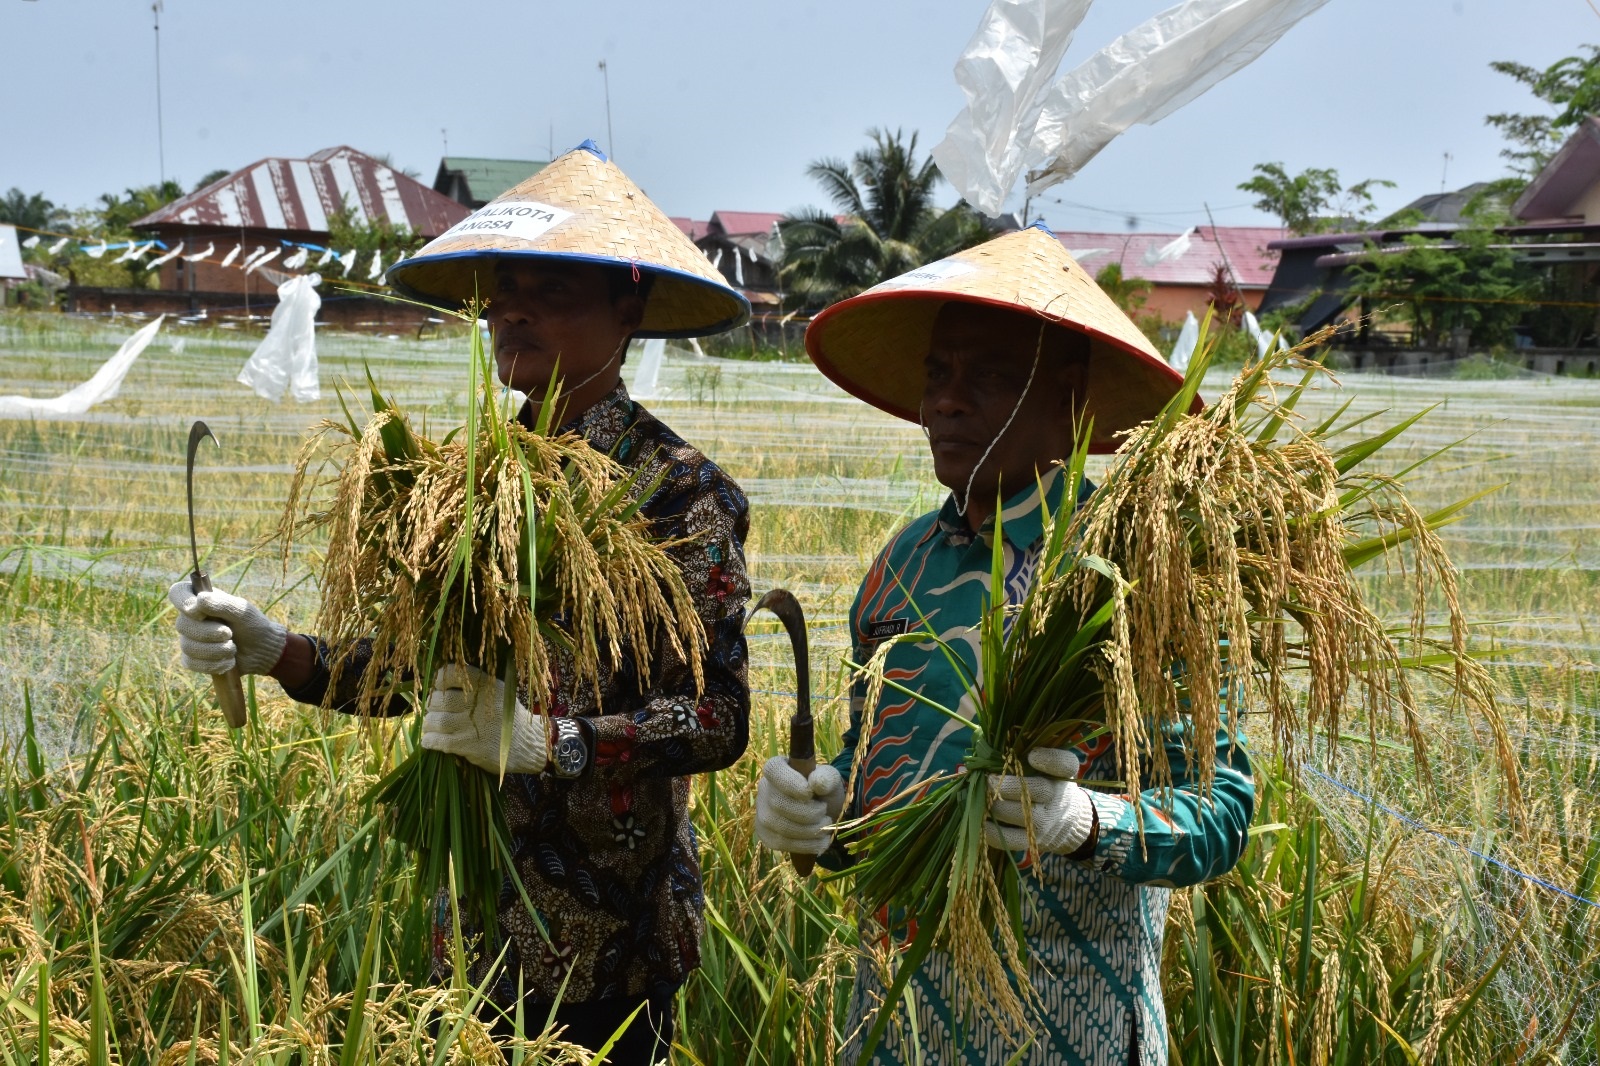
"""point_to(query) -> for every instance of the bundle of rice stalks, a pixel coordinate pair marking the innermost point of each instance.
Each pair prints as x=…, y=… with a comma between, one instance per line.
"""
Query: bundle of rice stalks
x=488, y=548
x=1213, y=570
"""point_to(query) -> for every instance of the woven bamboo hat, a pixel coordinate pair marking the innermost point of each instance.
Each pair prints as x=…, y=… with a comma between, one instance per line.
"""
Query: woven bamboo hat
x=873, y=345
x=579, y=208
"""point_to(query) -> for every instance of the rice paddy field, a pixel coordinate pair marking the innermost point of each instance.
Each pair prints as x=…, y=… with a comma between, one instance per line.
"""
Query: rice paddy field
x=173, y=892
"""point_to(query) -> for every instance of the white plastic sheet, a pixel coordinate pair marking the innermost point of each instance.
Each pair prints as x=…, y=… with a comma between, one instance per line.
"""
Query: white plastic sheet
x=1262, y=338
x=31, y=242
x=228, y=259
x=1173, y=249
x=99, y=388
x=647, y=378
x=286, y=358
x=166, y=257
x=1188, y=337
x=1004, y=73
x=196, y=257
x=297, y=260
x=1148, y=73
x=264, y=260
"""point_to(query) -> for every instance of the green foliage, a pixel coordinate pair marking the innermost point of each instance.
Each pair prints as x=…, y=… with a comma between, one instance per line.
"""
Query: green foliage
x=1129, y=294
x=890, y=224
x=1303, y=200
x=1571, y=86
x=1466, y=283
x=346, y=231
x=116, y=214
x=33, y=212
x=215, y=175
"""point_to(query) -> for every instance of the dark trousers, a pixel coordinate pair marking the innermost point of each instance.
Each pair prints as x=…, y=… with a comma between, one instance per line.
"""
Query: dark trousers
x=646, y=1041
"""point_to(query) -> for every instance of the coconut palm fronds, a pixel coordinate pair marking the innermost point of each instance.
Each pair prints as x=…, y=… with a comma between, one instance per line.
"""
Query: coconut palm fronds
x=1213, y=570
x=491, y=547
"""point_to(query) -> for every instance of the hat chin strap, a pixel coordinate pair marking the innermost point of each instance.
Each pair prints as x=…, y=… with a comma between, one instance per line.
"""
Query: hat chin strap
x=966, y=497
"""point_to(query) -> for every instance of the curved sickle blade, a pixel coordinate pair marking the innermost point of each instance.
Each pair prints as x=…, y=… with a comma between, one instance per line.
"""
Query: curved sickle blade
x=197, y=433
x=802, y=730
x=782, y=603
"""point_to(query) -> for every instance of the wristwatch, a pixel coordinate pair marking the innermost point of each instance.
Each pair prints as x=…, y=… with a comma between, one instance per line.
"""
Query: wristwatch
x=570, y=752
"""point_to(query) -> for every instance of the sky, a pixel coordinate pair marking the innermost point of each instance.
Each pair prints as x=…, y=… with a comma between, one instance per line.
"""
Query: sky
x=720, y=105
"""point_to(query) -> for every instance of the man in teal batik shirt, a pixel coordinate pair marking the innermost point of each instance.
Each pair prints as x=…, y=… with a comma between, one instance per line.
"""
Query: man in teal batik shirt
x=995, y=352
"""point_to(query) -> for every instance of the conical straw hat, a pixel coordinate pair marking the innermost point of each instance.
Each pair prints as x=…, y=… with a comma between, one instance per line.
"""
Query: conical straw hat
x=873, y=345
x=580, y=208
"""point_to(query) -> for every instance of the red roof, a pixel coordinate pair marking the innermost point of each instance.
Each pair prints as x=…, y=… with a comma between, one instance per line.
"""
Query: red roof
x=1245, y=248
x=692, y=228
x=743, y=223
x=298, y=195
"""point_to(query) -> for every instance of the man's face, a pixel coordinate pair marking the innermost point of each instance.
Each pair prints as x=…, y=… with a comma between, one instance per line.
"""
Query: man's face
x=977, y=368
x=543, y=313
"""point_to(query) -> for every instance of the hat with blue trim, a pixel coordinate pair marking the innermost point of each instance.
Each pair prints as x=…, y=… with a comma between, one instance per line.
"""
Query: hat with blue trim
x=580, y=208
x=873, y=345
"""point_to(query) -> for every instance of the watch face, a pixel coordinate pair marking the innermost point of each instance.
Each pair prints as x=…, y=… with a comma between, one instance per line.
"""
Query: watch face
x=571, y=754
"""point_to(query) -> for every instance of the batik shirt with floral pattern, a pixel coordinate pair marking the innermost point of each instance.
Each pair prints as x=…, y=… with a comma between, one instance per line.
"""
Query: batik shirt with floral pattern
x=1095, y=921
x=608, y=859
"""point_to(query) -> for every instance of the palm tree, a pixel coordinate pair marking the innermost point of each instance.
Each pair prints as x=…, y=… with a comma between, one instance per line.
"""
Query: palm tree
x=33, y=212
x=887, y=223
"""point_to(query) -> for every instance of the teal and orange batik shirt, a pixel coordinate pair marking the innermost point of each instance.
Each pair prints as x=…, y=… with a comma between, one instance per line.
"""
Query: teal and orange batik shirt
x=1095, y=924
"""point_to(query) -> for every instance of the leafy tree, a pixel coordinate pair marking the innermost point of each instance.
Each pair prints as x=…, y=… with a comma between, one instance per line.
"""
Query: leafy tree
x=889, y=223
x=1129, y=294
x=1571, y=86
x=1466, y=282
x=215, y=175
x=118, y=213
x=1303, y=201
x=33, y=212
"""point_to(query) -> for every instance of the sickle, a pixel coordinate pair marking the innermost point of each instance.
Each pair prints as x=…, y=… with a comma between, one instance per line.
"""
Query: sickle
x=802, y=732
x=229, y=687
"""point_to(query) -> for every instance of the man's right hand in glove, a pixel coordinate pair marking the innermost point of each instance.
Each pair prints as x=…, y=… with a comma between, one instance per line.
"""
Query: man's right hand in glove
x=218, y=630
x=794, y=811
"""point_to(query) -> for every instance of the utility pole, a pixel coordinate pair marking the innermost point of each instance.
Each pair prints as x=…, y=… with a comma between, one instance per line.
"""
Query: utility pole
x=1444, y=174
x=444, y=135
x=611, y=144
x=161, y=140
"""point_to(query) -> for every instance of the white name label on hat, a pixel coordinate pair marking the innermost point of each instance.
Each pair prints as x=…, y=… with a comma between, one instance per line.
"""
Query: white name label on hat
x=943, y=270
x=526, y=220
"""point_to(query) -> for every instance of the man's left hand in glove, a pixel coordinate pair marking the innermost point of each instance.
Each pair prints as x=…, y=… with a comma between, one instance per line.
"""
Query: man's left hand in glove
x=1063, y=814
x=464, y=716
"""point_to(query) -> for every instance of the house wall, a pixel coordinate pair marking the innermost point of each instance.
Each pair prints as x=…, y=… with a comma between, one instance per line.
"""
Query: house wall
x=1171, y=301
x=208, y=275
x=1588, y=205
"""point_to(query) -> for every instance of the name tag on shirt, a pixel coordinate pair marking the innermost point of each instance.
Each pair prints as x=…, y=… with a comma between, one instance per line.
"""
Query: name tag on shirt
x=888, y=627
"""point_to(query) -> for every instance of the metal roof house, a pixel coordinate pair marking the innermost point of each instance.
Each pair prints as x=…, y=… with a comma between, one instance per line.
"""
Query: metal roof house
x=275, y=200
x=473, y=182
x=1181, y=282
x=742, y=245
x=1568, y=188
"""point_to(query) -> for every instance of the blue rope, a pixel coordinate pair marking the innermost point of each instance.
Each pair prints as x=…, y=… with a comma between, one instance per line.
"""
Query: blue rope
x=1413, y=823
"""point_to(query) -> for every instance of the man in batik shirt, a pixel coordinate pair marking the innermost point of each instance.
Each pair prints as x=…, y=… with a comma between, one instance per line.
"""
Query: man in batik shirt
x=995, y=352
x=575, y=262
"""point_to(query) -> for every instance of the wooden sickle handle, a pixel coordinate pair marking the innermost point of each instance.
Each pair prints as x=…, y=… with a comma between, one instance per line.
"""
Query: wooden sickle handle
x=802, y=863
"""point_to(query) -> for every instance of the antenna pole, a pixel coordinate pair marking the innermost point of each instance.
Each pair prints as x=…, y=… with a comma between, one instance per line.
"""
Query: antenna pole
x=161, y=140
x=611, y=143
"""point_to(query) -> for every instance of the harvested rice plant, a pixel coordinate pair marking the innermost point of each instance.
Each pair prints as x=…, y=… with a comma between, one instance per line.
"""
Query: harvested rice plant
x=173, y=891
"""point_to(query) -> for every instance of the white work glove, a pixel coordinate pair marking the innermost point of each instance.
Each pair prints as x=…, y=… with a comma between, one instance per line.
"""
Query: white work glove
x=218, y=630
x=1063, y=815
x=794, y=811
x=464, y=716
